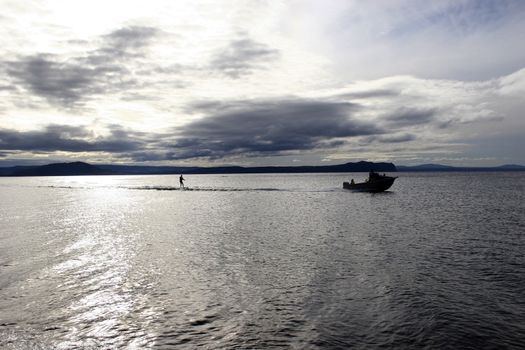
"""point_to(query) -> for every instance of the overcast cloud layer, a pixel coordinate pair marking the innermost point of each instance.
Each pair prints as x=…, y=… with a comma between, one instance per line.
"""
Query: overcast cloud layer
x=262, y=83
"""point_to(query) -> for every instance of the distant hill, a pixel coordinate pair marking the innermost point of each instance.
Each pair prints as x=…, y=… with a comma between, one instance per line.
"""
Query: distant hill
x=434, y=167
x=146, y=170
x=80, y=168
x=60, y=169
x=361, y=166
x=439, y=167
x=512, y=167
x=9, y=171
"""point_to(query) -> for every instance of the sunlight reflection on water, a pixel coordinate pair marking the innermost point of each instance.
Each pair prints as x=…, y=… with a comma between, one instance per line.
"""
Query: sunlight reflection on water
x=99, y=263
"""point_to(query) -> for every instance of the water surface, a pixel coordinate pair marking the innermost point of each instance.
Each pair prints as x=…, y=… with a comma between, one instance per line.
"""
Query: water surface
x=262, y=261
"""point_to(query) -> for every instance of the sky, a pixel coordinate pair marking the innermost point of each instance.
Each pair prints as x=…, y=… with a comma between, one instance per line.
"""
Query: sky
x=254, y=82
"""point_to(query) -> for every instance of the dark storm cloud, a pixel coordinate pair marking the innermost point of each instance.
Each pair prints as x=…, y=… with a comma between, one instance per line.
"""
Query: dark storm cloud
x=268, y=128
x=68, y=82
x=71, y=139
x=242, y=57
x=411, y=116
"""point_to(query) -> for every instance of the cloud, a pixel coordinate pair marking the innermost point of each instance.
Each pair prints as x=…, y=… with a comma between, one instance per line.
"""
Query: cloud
x=7, y=88
x=268, y=127
x=132, y=37
x=66, y=138
x=386, y=138
x=392, y=73
x=374, y=93
x=123, y=44
x=468, y=39
x=396, y=138
x=62, y=83
x=115, y=142
x=147, y=156
x=242, y=57
x=513, y=84
x=410, y=116
x=70, y=81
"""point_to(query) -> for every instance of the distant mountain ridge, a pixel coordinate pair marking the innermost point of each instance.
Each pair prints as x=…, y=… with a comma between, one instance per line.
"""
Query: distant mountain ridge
x=361, y=166
x=81, y=168
x=439, y=167
x=60, y=169
x=427, y=166
x=511, y=166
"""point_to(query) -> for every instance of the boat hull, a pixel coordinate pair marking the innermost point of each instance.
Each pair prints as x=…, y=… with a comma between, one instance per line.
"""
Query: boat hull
x=378, y=185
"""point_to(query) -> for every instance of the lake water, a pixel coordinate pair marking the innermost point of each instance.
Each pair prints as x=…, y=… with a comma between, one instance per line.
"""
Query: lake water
x=262, y=261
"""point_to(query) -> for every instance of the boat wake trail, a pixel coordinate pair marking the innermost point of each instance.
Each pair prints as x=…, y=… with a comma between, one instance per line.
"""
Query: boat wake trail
x=173, y=188
x=202, y=189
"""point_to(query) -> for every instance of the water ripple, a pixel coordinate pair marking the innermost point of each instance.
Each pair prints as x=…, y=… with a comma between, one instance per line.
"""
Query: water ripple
x=262, y=262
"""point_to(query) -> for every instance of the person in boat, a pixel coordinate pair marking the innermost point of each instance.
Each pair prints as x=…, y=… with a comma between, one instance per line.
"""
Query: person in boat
x=181, y=181
x=352, y=182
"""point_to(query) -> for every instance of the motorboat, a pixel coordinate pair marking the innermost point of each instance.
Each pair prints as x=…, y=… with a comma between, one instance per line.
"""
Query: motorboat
x=374, y=183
